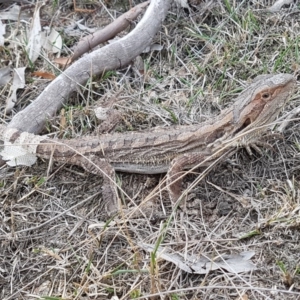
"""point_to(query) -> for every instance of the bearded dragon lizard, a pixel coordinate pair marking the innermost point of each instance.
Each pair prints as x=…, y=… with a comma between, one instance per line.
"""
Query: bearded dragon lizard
x=169, y=150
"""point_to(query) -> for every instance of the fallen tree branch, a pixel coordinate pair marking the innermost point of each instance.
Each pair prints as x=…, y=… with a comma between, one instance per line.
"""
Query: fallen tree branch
x=116, y=55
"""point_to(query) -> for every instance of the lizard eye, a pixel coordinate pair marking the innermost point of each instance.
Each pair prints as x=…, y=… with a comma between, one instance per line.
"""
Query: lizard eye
x=265, y=96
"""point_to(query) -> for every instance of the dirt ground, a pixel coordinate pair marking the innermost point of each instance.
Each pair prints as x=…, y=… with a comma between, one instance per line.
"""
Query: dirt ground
x=56, y=243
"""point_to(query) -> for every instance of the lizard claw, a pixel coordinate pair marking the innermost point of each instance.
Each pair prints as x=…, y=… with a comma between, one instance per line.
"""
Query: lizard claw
x=260, y=143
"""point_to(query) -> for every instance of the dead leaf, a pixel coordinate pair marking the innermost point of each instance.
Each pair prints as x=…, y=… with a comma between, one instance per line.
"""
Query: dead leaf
x=139, y=65
x=63, y=61
x=153, y=47
x=278, y=4
x=22, y=151
x=85, y=28
x=34, y=45
x=234, y=263
x=242, y=297
x=52, y=41
x=44, y=75
x=5, y=75
x=63, y=120
x=18, y=83
x=14, y=14
x=2, y=32
x=17, y=156
x=101, y=112
x=182, y=3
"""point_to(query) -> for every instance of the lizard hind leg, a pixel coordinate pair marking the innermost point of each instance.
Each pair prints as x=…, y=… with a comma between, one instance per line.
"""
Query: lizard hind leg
x=101, y=167
x=175, y=173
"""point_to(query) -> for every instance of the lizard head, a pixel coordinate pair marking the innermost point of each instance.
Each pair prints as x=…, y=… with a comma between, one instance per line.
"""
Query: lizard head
x=262, y=101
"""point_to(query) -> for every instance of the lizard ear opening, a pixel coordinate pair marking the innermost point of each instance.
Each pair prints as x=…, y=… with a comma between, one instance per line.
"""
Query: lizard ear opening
x=266, y=96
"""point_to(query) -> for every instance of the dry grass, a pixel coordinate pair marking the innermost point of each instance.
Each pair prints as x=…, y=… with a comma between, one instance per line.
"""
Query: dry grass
x=54, y=242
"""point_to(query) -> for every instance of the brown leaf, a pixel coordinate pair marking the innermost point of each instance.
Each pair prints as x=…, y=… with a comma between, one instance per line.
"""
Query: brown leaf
x=63, y=61
x=45, y=75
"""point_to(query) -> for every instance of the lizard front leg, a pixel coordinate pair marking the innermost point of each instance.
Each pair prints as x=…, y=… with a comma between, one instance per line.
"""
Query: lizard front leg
x=174, y=175
x=99, y=166
x=257, y=143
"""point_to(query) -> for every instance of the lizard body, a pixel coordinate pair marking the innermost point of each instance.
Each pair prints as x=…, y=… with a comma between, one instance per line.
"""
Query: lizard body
x=172, y=149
